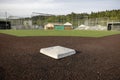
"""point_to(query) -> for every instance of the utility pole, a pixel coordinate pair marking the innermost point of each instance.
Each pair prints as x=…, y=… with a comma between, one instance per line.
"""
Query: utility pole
x=6, y=19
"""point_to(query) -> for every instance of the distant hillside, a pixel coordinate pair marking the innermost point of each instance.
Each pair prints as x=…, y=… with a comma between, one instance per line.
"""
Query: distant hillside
x=112, y=14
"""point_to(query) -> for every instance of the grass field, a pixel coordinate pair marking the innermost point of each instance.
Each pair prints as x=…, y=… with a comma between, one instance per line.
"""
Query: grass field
x=59, y=33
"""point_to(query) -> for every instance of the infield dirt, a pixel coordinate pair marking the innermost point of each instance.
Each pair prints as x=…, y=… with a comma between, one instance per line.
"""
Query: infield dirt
x=96, y=58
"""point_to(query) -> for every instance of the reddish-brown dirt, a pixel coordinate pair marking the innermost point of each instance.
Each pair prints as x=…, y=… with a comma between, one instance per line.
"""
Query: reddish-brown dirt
x=96, y=58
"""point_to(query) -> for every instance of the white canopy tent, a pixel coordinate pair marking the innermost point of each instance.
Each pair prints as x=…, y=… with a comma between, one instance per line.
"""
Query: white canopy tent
x=67, y=24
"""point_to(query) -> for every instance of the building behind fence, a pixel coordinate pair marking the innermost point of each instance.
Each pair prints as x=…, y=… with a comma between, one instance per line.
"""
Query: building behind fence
x=27, y=23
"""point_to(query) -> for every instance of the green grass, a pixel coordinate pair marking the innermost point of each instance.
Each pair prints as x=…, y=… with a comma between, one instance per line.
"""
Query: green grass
x=59, y=33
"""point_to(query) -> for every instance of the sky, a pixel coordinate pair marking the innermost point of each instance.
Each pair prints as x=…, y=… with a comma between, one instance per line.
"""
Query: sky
x=57, y=7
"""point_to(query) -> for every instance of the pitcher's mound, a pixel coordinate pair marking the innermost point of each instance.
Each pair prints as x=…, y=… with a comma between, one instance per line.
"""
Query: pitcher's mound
x=57, y=52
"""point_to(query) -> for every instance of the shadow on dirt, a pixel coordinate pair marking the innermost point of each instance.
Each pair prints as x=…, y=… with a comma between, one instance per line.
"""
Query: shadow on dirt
x=78, y=52
x=2, y=73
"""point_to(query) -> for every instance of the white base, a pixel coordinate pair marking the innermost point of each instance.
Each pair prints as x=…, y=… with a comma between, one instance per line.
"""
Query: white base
x=57, y=52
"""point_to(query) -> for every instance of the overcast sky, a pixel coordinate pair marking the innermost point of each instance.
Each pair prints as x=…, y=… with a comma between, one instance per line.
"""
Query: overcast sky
x=26, y=7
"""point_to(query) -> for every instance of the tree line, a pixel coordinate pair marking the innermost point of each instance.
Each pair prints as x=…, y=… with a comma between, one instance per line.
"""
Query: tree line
x=74, y=18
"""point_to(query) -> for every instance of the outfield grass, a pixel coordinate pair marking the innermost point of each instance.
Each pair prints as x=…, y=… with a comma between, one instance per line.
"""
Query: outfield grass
x=59, y=33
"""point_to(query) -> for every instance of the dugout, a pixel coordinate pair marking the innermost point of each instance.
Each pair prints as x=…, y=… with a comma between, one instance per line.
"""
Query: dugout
x=113, y=26
x=5, y=25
